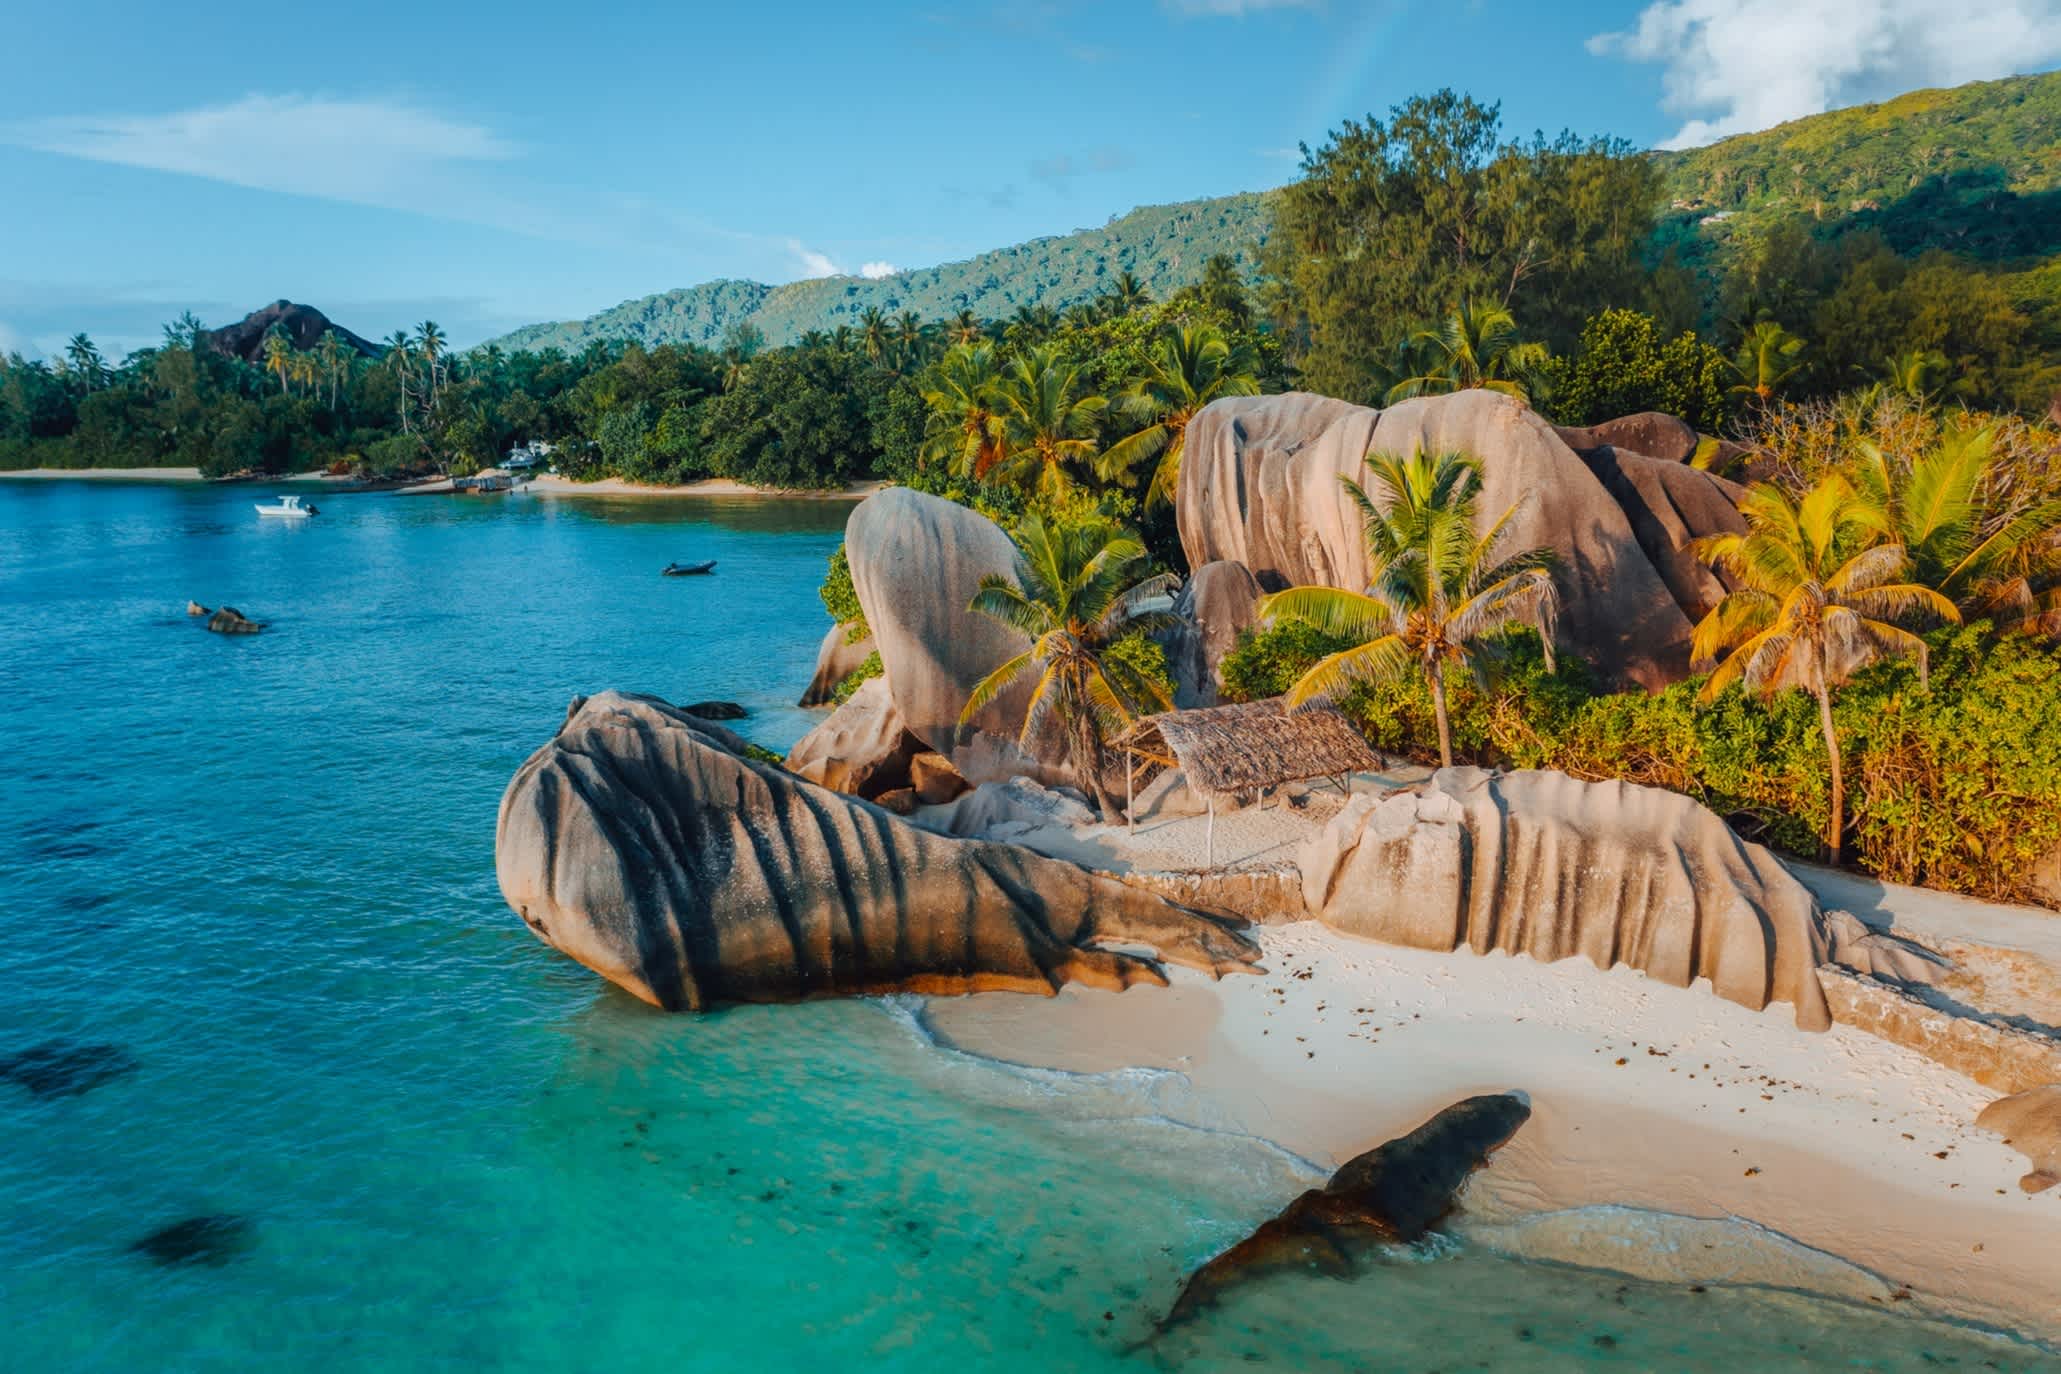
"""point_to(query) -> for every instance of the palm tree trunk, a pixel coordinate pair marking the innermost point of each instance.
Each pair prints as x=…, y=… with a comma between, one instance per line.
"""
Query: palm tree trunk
x=1087, y=761
x=1838, y=826
x=1438, y=708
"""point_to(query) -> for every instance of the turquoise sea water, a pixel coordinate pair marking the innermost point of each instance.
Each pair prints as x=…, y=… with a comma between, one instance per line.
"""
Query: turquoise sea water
x=259, y=873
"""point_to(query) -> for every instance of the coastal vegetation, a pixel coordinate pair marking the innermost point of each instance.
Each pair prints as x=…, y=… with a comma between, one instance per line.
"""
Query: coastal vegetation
x=1438, y=596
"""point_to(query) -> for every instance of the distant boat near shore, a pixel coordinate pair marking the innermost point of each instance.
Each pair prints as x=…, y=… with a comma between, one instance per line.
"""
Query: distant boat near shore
x=286, y=508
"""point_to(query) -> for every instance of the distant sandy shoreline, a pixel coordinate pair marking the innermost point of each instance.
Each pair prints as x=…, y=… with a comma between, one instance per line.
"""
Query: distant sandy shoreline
x=714, y=486
x=557, y=486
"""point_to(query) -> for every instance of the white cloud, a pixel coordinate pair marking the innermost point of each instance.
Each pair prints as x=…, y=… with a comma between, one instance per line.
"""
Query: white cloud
x=1232, y=8
x=874, y=271
x=372, y=151
x=1734, y=66
x=812, y=263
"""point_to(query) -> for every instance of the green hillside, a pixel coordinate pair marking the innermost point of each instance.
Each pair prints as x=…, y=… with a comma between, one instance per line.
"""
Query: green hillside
x=1164, y=245
x=1975, y=170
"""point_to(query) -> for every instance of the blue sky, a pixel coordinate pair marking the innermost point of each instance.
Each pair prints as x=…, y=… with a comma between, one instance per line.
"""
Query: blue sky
x=492, y=166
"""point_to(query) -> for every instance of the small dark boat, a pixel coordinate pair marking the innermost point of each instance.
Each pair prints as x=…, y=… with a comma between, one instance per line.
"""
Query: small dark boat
x=689, y=569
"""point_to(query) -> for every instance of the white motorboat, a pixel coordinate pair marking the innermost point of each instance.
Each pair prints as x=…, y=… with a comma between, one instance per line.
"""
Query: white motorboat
x=288, y=507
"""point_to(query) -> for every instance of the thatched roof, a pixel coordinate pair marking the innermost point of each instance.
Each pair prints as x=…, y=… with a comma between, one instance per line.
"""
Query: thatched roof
x=1251, y=745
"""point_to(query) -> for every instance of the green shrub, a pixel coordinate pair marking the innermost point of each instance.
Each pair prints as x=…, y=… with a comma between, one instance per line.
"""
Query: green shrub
x=1956, y=785
x=841, y=598
x=1141, y=653
x=852, y=681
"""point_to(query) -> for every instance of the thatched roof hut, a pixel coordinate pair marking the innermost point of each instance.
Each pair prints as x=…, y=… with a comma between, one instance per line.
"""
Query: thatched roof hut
x=1250, y=746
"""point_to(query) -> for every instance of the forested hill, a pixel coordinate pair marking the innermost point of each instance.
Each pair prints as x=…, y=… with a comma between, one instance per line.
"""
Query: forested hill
x=1974, y=169
x=1165, y=246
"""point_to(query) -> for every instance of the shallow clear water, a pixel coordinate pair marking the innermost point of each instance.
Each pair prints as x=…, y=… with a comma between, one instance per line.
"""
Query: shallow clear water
x=262, y=869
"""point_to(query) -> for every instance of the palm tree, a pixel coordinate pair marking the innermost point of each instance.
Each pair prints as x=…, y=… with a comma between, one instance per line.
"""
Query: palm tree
x=965, y=427
x=1127, y=293
x=1438, y=595
x=399, y=359
x=966, y=329
x=909, y=337
x=84, y=358
x=1819, y=592
x=304, y=368
x=184, y=332
x=334, y=361
x=1999, y=564
x=1031, y=325
x=874, y=332
x=1475, y=346
x=429, y=341
x=813, y=339
x=1048, y=421
x=1767, y=358
x=1078, y=589
x=1915, y=372
x=1187, y=369
x=841, y=338
x=278, y=355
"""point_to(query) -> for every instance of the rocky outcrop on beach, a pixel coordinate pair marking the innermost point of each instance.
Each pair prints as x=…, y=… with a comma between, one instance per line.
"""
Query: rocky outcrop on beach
x=230, y=621
x=916, y=562
x=2030, y=1123
x=642, y=843
x=1391, y=1195
x=837, y=658
x=863, y=748
x=1651, y=432
x=1543, y=864
x=1260, y=486
x=1218, y=601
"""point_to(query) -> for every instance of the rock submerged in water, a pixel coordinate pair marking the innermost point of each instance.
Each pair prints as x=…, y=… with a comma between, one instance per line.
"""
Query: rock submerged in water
x=716, y=710
x=205, y=1240
x=1391, y=1195
x=639, y=842
x=1543, y=864
x=230, y=621
x=60, y=1069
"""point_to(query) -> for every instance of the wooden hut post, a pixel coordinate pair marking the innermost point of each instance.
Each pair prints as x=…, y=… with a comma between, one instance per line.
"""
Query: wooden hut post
x=1209, y=848
x=1130, y=792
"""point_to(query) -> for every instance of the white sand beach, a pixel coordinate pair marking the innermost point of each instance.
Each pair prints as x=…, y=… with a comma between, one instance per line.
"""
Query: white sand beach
x=714, y=486
x=1644, y=1097
x=104, y=475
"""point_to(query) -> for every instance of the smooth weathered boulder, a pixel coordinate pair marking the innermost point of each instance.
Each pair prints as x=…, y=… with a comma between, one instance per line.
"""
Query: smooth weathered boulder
x=1670, y=506
x=1651, y=432
x=1218, y=601
x=1543, y=864
x=1000, y=810
x=916, y=562
x=837, y=658
x=230, y=621
x=2030, y=1123
x=1391, y=1195
x=862, y=749
x=1260, y=486
x=639, y=842
x=934, y=780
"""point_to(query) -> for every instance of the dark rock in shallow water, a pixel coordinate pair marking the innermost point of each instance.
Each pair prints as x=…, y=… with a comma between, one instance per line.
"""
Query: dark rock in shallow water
x=230, y=621
x=209, y=1240
x=716, y=710
x=1391, y=1195
x=57, y=1069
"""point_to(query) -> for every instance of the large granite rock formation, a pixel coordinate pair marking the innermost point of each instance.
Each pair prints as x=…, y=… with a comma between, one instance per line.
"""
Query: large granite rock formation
x=1391, y=1195
x=836, y=659
x=1260, y=486
x=916, y=562
x=1651, y=432
x=863, y=748
x=641, y=842
x=230, y=621
x=1218, y=601
x=1670, y=506
x=1543, y=864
